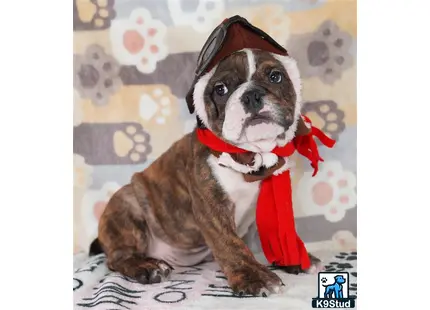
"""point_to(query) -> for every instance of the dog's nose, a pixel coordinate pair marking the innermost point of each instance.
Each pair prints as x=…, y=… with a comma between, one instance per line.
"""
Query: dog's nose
x=253, y=99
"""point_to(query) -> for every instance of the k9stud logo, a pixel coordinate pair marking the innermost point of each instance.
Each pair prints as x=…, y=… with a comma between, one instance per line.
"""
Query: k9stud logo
x=333, y=291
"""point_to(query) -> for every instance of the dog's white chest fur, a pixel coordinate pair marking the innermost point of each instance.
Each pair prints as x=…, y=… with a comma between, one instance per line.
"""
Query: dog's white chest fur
x=242, y=194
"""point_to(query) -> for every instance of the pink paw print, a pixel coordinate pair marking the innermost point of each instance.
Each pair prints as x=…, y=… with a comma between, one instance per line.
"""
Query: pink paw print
x=331, y=192
x=139, y=40
x=344, y=240
x=93, y=204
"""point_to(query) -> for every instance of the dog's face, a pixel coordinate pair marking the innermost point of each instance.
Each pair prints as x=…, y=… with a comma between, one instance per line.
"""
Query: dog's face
x=339, y=279
x=251, y=99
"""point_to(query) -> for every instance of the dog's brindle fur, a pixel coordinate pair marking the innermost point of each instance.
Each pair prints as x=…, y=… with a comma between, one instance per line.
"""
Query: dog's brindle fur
x=177, y=201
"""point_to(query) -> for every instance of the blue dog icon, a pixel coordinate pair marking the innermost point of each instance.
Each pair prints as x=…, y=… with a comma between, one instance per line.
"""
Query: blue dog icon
x=335, y=288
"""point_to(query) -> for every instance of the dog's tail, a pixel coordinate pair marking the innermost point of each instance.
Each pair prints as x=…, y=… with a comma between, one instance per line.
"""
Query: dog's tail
x=95, y=247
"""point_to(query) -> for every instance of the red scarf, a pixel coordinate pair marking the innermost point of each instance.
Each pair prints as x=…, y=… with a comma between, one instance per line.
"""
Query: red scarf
x=274, y=215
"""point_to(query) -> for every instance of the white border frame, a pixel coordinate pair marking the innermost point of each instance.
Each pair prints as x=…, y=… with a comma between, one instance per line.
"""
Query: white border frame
x=36, y=66
x=36, y=224
x=393, y=109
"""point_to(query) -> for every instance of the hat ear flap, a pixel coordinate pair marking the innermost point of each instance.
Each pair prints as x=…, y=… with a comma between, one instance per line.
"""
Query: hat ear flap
x=190, y=100
x=302, y=129
x=293, y=72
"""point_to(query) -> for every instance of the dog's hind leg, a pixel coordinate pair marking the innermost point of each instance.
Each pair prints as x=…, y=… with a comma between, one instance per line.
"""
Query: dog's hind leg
x=327, y=292
x=124, y=237
x=143, y=269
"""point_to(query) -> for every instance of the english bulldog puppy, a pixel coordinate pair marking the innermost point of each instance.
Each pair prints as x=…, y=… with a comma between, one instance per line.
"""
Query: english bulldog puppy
x=193, y=205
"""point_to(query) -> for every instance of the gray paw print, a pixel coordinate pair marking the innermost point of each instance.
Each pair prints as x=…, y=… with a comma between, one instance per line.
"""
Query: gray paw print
x=329, y=113
x=96, y=75
x=326, y=53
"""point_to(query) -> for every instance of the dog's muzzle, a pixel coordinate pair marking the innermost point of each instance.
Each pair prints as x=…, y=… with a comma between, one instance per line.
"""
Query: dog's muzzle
x=252, y=99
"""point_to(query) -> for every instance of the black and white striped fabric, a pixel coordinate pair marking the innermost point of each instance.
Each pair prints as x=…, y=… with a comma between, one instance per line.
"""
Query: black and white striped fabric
x=202, y=287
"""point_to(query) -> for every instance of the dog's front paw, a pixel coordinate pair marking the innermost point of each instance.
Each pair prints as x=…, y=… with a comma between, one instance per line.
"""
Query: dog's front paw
x=254, y=280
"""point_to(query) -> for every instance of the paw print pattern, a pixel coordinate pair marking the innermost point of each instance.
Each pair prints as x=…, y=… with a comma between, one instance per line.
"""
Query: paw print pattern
x=139, y=40
x=112, y=144
x=82, y=173
x=277, y=26
x=175, y=65
x=96, y=75
x=326, y=53
x=202, y=15
x=295, y=5
x=157, y=105
x=331, y=192
x=93, y=205
x=92, y=14
x=77, y=108
x=325, y=115
x=131, y=144
x=345, y=241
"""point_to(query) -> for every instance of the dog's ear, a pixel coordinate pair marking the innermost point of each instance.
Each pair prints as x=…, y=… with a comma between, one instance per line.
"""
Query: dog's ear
x=189, y=98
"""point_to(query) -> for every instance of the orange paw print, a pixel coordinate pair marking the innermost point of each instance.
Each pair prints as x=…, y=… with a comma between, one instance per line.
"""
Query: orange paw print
x=94, y=14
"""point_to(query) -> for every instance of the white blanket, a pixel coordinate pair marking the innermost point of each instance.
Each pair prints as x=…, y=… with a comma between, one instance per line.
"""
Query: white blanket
x=201, y=287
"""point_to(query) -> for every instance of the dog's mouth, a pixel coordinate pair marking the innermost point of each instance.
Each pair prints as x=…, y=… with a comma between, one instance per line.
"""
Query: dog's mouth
x=261, y=128
x=257, y=119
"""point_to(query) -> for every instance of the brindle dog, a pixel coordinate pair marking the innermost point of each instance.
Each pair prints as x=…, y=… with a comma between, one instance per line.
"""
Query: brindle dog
x=180, y=210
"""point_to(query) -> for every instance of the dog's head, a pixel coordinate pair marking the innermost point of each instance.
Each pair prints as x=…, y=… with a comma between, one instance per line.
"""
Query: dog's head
x=251, y=99
x=339, y=279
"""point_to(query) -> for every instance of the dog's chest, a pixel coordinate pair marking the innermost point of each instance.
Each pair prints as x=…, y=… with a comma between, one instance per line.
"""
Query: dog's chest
x=242, y=194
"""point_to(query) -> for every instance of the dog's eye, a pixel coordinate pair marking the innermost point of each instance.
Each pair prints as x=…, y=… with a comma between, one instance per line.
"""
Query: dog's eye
x=275, y=77
x=220, y=89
